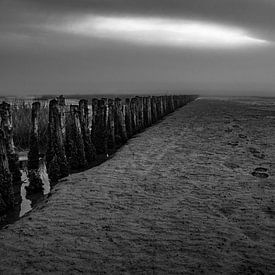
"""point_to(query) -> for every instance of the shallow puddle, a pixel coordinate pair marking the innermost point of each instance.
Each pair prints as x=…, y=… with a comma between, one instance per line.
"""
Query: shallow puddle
x=24, y=200
x=29, y=200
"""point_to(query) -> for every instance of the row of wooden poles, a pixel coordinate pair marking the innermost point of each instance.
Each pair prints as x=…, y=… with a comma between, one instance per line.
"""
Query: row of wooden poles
x=10, y=175
x=79, y=134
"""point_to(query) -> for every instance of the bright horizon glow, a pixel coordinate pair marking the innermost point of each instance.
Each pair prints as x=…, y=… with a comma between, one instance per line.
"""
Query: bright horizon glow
x=161, y=31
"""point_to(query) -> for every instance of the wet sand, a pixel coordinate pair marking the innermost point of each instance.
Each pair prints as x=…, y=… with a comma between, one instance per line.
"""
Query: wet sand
x=193, y=194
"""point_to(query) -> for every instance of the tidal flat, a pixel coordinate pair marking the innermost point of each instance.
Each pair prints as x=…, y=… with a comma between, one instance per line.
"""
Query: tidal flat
x=191, y=194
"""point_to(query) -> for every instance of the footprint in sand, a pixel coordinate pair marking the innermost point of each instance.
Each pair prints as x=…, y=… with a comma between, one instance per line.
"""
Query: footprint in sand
x=260, y=169
x=256, y=153
x=242, y=136
x=260, y=172
x=233, y=143
x=228, y=130
x=231, y=165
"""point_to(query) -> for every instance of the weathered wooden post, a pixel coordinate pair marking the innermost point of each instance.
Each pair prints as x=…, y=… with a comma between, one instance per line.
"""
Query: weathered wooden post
x=165, y=105
x=75, y=151
x=86, y=130
x=128, y=118
x=161, y=106
x=139, y=113
x=158, y=108
x=56, y=161
x=149, y=110
x=145, y=111
x=137, y=105
x=94, y=117
x=6, y=186
x=62, y=114
x=7, y=127
x=36, y=183
x=111, y=125
x=120, y=126
x=168, y=104
x=33, y=155
x=182, y=100
x=100, y=132
x=176, y=98
x=172, y=103
x=154, y=109
x=133, y=107
x=123, y=123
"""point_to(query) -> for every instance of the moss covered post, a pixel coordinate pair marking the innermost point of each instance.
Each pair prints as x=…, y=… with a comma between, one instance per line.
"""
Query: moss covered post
x=56, y=161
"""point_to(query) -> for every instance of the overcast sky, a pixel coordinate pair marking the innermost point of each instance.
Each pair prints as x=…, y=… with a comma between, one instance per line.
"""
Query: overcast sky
x=85, y=46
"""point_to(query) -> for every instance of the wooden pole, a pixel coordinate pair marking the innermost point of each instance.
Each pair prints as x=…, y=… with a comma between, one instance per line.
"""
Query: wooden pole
x=139, y=113
x=36, y=183
x=145, y=111
x=120, y=126
x=100, y=133
x=33, y=155
x=133, y=107
x=62, y=111
x=75, y=151
x=6, y=187
x=149, y=110
x=128, y=118
x=56, y=161
x=86, y=130
x=7, y=127
x=154, y=109
x=111, y=125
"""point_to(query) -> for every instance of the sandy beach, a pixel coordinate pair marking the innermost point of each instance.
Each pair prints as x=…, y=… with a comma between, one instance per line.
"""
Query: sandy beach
x=193, y=194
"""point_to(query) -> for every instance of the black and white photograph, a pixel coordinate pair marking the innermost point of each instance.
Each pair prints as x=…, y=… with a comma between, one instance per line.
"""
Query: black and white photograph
x=137, y=137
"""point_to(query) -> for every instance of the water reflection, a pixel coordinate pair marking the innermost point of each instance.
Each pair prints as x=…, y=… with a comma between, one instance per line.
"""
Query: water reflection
x=29, y=199
x=26, y=201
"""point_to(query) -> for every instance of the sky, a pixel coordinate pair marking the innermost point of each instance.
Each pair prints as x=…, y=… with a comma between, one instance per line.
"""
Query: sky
x=223, y=47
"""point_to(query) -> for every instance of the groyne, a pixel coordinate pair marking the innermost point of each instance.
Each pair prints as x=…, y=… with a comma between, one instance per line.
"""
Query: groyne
x=77, y=136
